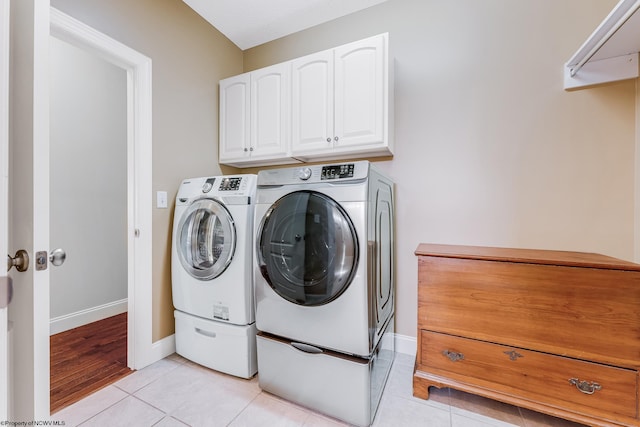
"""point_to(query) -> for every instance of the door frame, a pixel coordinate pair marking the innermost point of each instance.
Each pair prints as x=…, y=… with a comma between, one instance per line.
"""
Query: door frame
x=140, y=352
x=5, y=403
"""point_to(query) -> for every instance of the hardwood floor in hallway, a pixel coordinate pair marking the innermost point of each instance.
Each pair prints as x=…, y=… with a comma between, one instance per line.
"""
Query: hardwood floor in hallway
x=86, y=359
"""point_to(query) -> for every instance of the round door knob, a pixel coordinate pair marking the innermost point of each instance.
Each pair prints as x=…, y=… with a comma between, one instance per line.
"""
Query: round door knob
x=20, y=261
x=57, y=257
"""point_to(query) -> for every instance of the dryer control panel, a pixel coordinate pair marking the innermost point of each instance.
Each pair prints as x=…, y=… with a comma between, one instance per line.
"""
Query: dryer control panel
x=340, y=172
x=337, y=171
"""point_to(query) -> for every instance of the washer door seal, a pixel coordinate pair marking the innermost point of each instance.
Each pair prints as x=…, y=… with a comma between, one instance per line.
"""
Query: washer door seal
x=307, y=248
x=206, y=239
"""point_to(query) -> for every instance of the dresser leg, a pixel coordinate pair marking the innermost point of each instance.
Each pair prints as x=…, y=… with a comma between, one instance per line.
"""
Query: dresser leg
x=421, y=384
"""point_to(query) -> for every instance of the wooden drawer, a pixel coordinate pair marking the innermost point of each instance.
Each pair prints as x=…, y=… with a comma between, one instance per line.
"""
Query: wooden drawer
x=532, y=375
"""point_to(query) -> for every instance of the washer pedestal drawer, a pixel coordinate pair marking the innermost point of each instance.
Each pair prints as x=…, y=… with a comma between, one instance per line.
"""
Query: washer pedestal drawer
x=552, y=331
x=220, y=346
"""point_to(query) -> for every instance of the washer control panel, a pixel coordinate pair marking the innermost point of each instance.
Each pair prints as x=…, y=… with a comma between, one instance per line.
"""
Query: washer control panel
x=226, y=184
x=337, y=171
x=232, y=189
x=230, y=184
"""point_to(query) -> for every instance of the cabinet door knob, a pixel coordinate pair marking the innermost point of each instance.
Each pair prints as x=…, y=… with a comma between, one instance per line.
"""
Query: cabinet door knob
x=329, y=140
x=246, y=149
x=335, y=139
x=453, y=356
x=585, y=387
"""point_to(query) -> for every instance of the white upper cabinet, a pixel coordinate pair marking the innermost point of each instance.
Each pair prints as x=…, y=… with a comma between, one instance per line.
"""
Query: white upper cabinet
x=255, y=118
x=341, y=102
x=335, y=104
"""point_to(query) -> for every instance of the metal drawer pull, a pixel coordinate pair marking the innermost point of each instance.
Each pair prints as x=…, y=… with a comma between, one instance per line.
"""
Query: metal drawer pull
x=513, y=355
x=453, y=356
x=585, y=387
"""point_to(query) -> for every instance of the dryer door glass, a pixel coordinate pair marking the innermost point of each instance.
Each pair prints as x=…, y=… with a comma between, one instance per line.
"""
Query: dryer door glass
x=207, y=239
x=307, y=248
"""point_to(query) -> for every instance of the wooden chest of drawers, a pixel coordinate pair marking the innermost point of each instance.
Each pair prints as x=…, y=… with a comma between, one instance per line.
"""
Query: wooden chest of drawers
x=556, y=332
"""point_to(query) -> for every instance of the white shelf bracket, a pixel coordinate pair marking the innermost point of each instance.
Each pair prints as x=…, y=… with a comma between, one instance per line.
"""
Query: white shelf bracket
x=602, y=71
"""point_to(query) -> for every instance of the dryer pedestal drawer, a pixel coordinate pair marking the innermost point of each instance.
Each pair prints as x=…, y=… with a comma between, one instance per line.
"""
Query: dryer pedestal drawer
x=552, y=331
x=327, y=382
x=553, y=380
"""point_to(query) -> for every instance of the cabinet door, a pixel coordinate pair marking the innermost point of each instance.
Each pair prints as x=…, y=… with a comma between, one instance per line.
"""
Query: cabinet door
x=312, y=103
x=234, y=118
x=270, y=111
x=361, y=95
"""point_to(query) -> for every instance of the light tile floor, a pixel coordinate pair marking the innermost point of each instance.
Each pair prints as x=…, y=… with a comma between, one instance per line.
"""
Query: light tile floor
x=177, y=392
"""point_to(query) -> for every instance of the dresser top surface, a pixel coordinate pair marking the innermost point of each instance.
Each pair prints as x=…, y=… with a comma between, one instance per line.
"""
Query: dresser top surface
x=531, y=256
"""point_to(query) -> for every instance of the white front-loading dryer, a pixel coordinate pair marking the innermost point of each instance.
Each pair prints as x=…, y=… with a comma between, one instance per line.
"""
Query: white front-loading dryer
x=211, y=272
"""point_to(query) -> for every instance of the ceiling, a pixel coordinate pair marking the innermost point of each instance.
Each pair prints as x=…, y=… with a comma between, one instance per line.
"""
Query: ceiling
x=249, y=23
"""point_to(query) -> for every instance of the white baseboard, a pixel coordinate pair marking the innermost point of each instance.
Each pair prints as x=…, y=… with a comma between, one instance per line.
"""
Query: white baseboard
x=162, y=348
x=406, y=344
x=93, y=314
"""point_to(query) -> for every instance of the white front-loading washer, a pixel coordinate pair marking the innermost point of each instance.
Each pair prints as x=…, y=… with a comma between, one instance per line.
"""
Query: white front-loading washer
x=324, y=283
x=211, y=263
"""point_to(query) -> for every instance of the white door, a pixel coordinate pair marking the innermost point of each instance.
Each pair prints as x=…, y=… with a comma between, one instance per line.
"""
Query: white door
x=28, y=193
x=4, y=210
x=312, y=104
x=360, y=93
x=234, y=118
x=29, y=206
x=270, y=102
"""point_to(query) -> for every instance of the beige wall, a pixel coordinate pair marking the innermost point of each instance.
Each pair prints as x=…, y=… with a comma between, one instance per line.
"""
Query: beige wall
x=189, y=57
x=490, y=150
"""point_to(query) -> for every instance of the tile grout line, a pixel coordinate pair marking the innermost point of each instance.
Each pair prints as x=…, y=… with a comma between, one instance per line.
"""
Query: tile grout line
x=108, y=407
x=242, y=410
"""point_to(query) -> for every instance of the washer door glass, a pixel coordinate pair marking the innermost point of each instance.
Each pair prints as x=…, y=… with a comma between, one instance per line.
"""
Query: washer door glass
x=307, y=248
x=206, y=239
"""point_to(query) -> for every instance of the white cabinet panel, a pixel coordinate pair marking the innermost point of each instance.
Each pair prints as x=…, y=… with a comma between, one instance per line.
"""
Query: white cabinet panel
x=313, y=102
x=234, y=118
x=359, y=93
x=270, y=114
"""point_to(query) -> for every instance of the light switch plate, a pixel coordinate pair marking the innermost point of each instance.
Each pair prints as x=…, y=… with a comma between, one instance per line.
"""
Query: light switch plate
x=161, y=199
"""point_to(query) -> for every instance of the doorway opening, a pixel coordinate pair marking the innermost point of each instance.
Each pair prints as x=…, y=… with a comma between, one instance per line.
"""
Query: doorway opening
x=130, y=261
x=88, y=220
